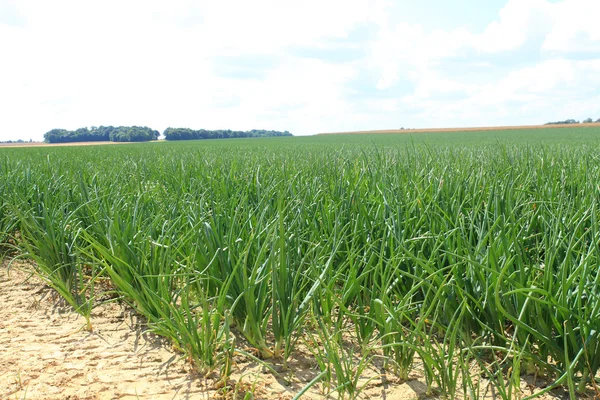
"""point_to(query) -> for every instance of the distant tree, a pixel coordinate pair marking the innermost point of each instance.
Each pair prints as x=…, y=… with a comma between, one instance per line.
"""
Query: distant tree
x=598, y=120
x=189, y=134
x=133, y=134
x=566, y=122
x=102, y=133
x=587, y=121
x=56, y=136
x=14, y=141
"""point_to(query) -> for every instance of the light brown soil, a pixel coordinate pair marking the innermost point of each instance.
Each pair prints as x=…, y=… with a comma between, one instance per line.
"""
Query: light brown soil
x=41, y=144
x=45, y=353
x=472, y=129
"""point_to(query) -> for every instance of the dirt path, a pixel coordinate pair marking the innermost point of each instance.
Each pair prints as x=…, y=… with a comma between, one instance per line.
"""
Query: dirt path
x=45, y=354
x=42, y=144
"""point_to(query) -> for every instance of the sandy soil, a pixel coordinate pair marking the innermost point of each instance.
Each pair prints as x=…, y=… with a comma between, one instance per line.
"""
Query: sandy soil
x=472, y=129
x=45, y=353
x=41, y=144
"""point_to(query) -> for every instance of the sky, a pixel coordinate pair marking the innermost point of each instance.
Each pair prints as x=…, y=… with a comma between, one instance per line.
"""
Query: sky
x=306, y=66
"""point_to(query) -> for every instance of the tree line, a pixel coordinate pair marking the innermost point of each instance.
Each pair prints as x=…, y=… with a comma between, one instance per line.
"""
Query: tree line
x=572, y=121
x=190, y=134
x=144, y=134
x=16, y=141
x=102, y=134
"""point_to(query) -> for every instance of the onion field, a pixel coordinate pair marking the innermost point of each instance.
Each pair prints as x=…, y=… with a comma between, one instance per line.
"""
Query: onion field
x=471, y=259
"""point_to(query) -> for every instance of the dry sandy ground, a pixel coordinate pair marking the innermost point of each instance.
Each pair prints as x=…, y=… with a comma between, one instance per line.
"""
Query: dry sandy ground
x=41, y=144
x=473, y=129
x=46, y=354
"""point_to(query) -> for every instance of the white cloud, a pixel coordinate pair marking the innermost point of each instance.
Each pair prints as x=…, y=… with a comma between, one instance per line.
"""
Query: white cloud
x=69, y=63
x=518, y=21
x=576, y=27
x=545, y=32
x=77, y=63
x=269, y=25
x=407, y=51
x=554, y=89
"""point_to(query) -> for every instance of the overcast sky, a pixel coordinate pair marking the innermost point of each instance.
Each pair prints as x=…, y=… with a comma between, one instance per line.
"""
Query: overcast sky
x=305, y=66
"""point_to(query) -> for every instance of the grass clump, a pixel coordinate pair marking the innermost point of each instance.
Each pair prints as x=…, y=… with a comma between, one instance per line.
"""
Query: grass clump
x=440, y=258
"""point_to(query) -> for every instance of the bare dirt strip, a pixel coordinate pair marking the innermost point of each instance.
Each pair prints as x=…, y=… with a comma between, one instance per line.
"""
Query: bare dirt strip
x=471, y=129
x=46, y=354
x=41, y=144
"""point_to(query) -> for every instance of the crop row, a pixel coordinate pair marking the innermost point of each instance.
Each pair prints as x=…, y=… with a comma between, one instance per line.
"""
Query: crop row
x=472, y=265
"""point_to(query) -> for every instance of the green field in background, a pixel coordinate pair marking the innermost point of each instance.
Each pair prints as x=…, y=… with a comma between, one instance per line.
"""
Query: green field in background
x=455, y=255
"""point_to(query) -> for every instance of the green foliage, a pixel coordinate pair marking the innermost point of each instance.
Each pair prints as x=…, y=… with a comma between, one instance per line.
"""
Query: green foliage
x=442, y=254
x=102, y=133
x=133, y=134
x=565, y=122
x=144, y=134
x=190, y=134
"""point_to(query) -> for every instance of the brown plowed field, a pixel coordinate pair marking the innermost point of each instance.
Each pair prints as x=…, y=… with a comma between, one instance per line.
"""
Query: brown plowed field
x=471, y=129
